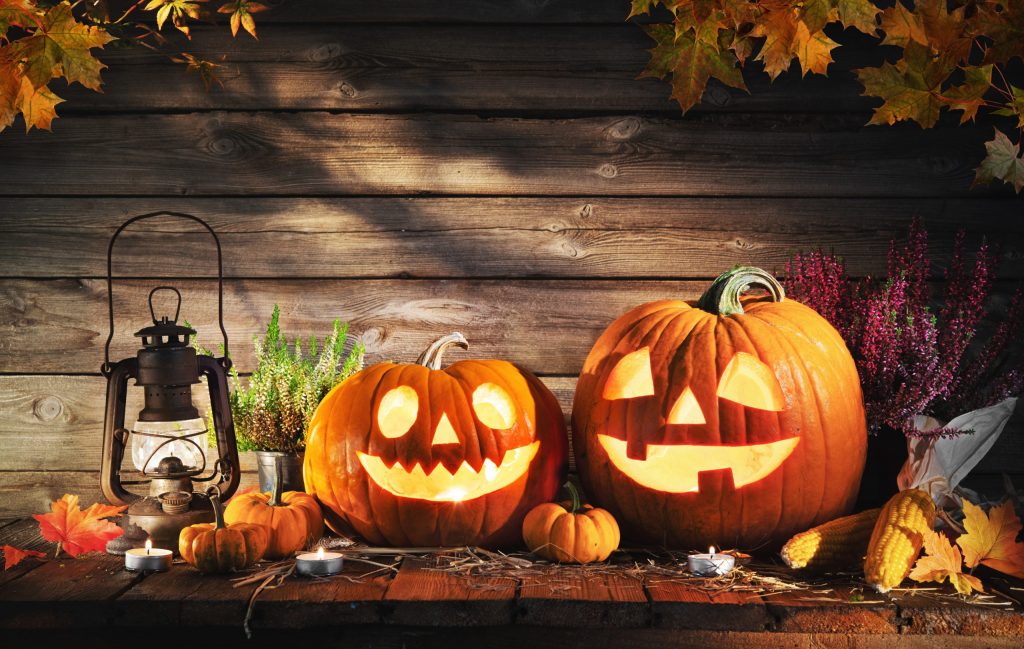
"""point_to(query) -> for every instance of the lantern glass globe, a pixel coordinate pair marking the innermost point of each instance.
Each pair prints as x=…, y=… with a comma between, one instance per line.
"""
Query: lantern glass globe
x=188, y=442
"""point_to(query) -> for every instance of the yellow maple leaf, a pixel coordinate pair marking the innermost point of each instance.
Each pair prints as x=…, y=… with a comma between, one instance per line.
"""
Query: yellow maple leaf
x=942, y=560
x=37, y=105
x=813, y=50
x=991, y=539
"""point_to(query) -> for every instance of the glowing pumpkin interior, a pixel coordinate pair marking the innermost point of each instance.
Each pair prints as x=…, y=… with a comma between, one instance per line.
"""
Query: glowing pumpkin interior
x=397, y=413
x=676, y=468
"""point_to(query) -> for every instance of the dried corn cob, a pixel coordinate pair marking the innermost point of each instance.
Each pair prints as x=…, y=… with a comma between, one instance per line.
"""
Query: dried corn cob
x=832, y=545
x=898, y=538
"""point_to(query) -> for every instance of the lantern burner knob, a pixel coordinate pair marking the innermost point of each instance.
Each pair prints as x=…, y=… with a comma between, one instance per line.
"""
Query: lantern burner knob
x=170, y=466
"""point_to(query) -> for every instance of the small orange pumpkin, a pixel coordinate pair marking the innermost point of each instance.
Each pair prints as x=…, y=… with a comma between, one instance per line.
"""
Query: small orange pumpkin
x=216, y=547
x=570, y=532
x=293, y=518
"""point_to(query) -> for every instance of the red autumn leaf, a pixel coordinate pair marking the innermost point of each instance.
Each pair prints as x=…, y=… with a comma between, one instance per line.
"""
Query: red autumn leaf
x=76, y=531
x=13, y=556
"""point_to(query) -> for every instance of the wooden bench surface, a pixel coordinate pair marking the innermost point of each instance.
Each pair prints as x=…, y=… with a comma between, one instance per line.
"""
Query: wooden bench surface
x=96, y=592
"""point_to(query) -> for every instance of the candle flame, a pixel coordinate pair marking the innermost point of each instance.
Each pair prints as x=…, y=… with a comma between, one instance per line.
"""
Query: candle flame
x=711, y=550
x=149, y=545
x=320, y=553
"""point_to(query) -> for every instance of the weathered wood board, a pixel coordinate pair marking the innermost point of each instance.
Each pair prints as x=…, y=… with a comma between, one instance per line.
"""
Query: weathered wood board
x=553, y=602
x=269, y=153
x=506, y=237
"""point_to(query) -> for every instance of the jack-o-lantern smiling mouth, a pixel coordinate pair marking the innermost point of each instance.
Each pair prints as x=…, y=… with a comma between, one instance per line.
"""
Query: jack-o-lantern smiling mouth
x=441, y=485
x=676, y=468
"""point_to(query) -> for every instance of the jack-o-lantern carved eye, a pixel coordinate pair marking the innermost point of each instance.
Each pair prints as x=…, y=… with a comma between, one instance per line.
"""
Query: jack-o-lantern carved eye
x=686, y=410
x=631, y=377
x=397, y=411
x=493, y=406
x=749, y=382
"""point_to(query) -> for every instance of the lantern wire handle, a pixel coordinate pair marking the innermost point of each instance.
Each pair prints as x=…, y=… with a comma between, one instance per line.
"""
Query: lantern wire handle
x=110, y=280
x=177, y=311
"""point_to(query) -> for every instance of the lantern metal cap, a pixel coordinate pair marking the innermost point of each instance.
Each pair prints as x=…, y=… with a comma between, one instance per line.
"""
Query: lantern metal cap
x=172, y=332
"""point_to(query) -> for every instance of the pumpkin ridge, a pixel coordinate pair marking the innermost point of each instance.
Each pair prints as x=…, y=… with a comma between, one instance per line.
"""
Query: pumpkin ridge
x=820, y=423
x=824, y=328
x=679, y=344
x=335, y=501
x=741, y=326
x=657, y=322
x=823, y=424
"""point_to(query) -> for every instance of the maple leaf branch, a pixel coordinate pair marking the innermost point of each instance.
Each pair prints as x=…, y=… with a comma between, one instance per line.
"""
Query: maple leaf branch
x=1006, y=84
x=129, y=11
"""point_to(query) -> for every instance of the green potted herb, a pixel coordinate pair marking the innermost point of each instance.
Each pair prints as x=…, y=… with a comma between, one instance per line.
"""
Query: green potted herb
x=273, y=406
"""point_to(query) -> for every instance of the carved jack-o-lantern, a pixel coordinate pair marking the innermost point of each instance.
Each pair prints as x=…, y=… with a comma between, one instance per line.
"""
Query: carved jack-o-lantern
x=733, y=422
x=416, y=455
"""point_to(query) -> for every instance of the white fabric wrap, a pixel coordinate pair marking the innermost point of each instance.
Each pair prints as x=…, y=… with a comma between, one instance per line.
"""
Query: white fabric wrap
x=937, y=465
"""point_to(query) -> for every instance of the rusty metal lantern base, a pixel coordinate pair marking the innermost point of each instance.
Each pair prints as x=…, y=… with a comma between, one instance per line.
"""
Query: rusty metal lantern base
x=170, y=507
x=146, y=519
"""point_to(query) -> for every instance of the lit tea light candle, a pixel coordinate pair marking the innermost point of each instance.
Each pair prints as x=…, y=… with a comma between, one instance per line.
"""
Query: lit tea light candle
x=712, y=564
x=319, y=563
x=148, y=559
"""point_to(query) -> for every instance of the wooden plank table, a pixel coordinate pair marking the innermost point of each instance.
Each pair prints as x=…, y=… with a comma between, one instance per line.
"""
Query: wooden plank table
x=418, y=604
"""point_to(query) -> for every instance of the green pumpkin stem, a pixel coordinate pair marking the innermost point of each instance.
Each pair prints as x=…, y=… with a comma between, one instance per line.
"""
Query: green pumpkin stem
x=723, y=296
x=431, y=357
x=574, y=493
x=218, y=509
x=275, y=484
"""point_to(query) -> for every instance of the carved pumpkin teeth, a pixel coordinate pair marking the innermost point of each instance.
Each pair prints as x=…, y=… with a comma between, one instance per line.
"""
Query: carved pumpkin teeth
x=441, y=484
x=676, y=468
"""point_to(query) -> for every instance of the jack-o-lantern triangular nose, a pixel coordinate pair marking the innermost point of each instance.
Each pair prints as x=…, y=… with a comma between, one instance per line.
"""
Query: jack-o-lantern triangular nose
x=444, y=433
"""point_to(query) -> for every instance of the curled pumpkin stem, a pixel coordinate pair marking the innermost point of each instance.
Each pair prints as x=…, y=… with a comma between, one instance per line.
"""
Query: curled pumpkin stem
x=431, y=356
x=723, y=296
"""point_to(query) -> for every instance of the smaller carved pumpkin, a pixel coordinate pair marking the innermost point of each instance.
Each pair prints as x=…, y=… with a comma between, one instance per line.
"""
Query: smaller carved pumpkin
x=293, y=518
x=570, y=532
x=216, y=547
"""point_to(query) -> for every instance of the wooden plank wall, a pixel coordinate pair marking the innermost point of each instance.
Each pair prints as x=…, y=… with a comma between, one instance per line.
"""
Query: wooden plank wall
x=415, y=168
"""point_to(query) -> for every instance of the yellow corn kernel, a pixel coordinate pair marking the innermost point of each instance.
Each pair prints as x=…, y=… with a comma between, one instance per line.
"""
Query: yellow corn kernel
x=832, y=545
x=898, y=538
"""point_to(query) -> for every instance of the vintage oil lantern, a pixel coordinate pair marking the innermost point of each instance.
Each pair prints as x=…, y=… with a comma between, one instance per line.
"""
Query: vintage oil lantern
x=167, y=441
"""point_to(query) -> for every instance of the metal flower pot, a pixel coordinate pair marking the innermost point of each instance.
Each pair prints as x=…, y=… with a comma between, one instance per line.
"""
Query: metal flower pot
x=290, y=465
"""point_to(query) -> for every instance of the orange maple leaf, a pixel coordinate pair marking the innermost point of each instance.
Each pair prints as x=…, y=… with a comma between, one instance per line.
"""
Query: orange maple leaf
x=13, y=556
x=991, y=539
x=941, y=560
x=76, y=531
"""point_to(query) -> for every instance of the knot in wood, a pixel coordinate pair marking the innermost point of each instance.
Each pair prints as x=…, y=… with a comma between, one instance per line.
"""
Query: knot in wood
x=47, y=408
x=326, y=52
x=228, y=144
x=717, y=96
x=624, y=129
x=586, y=211
x=346, y=89
x=608, y=170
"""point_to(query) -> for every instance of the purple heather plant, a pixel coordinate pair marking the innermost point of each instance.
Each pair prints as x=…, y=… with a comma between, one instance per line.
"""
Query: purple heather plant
x=914, y=359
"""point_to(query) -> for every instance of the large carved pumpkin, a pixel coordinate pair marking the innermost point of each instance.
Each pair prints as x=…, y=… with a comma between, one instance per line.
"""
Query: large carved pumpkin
x=411, y=454
x=734, y=421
